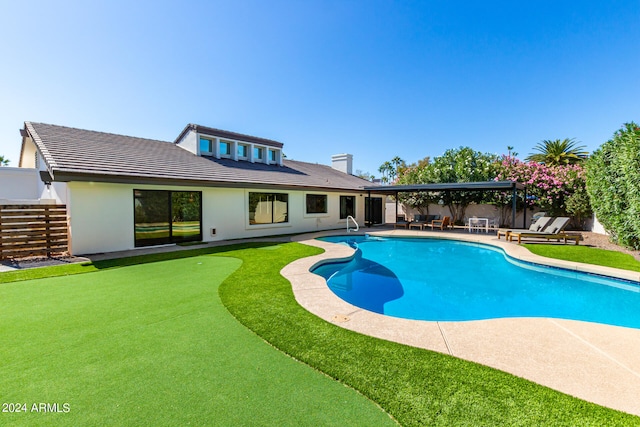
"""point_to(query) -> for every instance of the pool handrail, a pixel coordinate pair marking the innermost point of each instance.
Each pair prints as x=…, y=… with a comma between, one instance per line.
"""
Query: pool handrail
x=354, y=221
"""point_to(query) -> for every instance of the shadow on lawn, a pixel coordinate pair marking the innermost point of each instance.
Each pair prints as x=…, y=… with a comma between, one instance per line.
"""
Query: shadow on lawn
x=65, y=268
x=165, y=256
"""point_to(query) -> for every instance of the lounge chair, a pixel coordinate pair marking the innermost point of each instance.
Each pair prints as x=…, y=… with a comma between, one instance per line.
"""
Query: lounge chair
x=554, y=231
x=401, y=221
x=539, y=224
x=440, y=223
x=423, y=221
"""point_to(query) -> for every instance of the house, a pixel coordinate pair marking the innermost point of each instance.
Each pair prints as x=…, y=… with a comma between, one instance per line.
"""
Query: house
x=124, y=192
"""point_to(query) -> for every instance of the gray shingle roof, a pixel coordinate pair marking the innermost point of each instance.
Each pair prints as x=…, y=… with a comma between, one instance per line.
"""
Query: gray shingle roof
x=83, y=155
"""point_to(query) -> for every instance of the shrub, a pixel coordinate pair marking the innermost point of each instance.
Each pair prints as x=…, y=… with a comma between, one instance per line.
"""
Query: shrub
x=613, y=185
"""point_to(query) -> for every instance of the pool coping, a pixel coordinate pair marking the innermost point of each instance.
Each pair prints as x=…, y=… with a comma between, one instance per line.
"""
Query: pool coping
x=595, y=362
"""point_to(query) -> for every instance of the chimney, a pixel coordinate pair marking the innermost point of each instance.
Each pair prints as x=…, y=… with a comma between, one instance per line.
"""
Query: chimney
x=343, y=163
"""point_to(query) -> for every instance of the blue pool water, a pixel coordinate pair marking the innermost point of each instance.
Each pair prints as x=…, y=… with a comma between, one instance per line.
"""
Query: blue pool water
x=442, y=280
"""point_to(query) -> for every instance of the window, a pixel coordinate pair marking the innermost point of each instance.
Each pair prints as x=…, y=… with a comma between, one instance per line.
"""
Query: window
x=243, y=151
x=225, y=148
x=316, y=203
x=206, y=145
x=167, y=217
x=268, y=208
x=257, y=153
x=272, y=155
x=347, y=206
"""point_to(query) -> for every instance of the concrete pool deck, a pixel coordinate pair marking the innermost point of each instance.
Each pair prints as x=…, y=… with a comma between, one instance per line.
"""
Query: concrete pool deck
x=595, y=362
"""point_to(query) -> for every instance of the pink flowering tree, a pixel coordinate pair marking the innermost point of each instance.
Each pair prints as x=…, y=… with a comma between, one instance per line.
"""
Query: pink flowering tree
x=559, y=190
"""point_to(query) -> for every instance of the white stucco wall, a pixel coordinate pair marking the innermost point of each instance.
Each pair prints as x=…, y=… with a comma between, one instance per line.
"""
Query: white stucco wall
x=596, y=227
x=101, y=215
x=23, y=184
x=19, y=184
x=190, y=142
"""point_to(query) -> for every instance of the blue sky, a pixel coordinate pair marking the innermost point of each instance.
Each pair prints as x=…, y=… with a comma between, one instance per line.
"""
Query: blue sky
x=376, y=79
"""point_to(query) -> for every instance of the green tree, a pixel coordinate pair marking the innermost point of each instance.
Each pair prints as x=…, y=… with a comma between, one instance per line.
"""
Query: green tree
x=4, y=161
x=557, y=152
x=364, y=175
x=455, y=165
x=613, y=185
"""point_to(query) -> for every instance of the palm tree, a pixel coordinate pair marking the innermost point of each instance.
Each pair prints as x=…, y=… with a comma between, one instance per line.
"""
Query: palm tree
x=386, y=169
x=4, y=161
x=391, y=169
x=558, y=152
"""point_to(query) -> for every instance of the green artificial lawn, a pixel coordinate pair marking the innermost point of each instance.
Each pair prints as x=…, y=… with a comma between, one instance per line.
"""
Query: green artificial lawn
x=147, y=367
x=152, y=344
x=586, y=255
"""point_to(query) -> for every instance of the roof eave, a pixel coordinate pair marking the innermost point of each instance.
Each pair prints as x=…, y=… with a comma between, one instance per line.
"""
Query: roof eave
x=454, y=186
x=69, y=176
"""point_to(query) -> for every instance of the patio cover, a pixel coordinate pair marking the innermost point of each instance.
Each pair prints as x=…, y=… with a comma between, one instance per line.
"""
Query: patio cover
x=456, y=186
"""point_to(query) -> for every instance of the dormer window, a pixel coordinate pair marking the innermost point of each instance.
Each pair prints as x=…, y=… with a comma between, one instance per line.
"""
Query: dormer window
x=243, y=151
x=221, y=144
x=206, y=145
x=225, y=148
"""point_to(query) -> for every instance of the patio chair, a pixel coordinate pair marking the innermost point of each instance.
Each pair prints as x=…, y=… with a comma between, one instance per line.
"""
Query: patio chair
x=401, y=221
x=422, y=221
x=539, y=224
x=440, y=223
x=554, y=231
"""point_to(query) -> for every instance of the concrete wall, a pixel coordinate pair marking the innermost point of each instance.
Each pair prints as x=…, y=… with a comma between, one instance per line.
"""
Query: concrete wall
x=101, y=215
x=480, y=211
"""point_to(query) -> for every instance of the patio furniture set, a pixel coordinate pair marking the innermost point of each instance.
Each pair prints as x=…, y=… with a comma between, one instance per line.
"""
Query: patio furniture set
x=543, y=227
x=423, y=221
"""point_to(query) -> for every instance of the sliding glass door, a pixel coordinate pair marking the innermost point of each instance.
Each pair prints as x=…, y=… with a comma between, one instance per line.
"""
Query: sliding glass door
x=186, y=211
x=167, y=216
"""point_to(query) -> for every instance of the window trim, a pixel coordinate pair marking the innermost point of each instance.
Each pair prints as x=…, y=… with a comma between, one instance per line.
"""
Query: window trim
x=258, y=150
x=315, y=214
x=355, y=204
x=229, y=152
x=211, y=145
x=246, y=149
x=257, y=226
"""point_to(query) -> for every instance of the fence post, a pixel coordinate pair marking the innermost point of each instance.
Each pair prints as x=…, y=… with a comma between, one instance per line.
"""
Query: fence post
x=1, y=235
x=47, y=230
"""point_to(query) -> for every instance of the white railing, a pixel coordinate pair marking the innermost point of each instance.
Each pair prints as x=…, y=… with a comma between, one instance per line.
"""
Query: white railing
x=354, y=221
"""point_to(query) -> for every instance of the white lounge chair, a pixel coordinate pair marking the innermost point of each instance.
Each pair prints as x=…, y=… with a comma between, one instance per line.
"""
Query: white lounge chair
x=539, y=224
x=554, y=231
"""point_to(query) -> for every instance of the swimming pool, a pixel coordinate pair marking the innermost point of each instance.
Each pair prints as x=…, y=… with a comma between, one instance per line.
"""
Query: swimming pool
x=444, y=280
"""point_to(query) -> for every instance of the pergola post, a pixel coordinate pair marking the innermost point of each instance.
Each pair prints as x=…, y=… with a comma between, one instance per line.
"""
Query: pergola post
x=396, y=206
x=368, y=220
x=514, y=205
x=524, y=214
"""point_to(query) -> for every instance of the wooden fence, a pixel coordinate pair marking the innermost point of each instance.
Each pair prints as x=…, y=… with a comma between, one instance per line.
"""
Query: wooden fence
x=33, y=230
